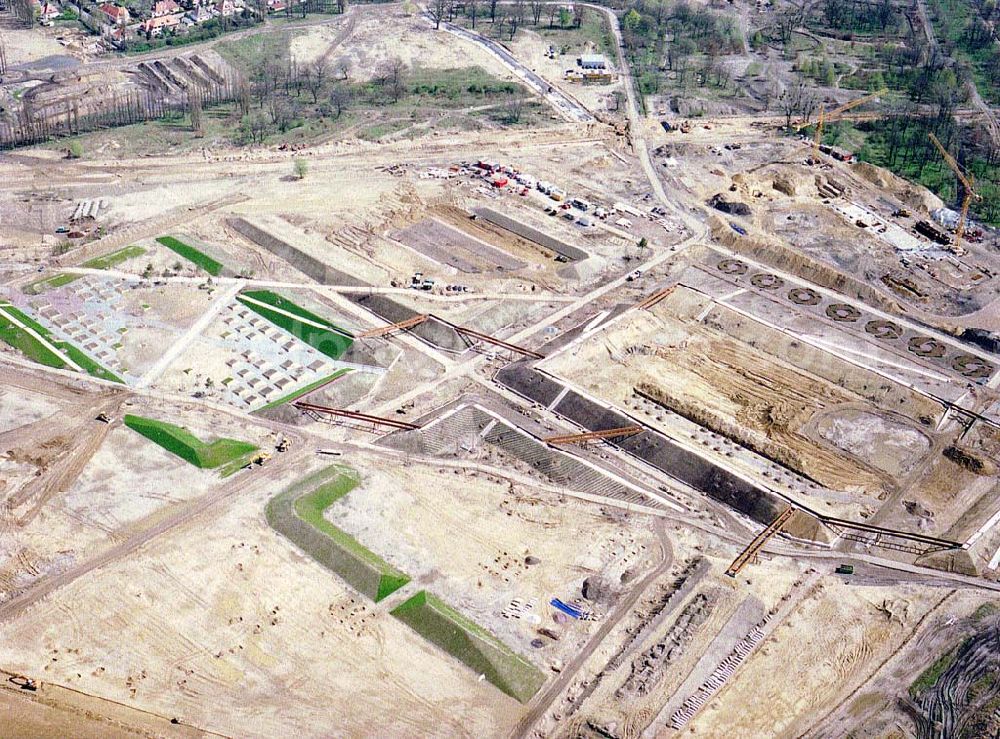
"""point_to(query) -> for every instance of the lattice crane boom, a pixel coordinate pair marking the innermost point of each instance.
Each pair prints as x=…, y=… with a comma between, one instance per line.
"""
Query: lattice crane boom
x=968, y=184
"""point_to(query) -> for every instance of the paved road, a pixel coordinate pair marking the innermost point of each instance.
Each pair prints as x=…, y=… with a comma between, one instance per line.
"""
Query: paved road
x=566, y=106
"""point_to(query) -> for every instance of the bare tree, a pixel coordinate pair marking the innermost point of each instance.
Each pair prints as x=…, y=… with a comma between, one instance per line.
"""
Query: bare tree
x=513, y=107
x=797, y=101
x=194, y=101
x=472, y=7
x=316, y=75
x=390, y=75
x=536, y=10
x=787, y=21
x=343, y=67
x=340, y=98
x=516, y=14
x=437, y=10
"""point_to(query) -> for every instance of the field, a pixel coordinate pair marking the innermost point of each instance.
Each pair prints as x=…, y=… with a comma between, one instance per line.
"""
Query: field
x=470, y=644
x=204, y=261
x=37, y=343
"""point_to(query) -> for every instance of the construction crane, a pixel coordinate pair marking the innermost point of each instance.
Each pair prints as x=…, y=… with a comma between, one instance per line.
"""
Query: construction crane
x=833, y=115
x=968, y=183
x=748, y=554
x=595, y=435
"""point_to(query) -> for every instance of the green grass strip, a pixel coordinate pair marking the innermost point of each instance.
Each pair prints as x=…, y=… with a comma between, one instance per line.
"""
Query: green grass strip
x=303, y=391
x=298, y=514
x=332, y=341
x=49, y=283
x=929, y=677
x=178, y=440
x=27, y=344
x=310, y=508
x=471, y=644
x=74, y=354
x=115, y=258
x=204, y=261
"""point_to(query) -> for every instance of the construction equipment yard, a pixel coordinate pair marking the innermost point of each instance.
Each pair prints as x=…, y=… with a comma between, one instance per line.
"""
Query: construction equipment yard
x=571, y=425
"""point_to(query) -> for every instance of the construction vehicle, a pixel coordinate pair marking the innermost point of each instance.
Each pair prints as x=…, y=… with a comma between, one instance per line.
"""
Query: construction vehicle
x=968, y=184
x=258, y=459
x=103, y=418
x=24, y=683
x=282, y=445
x=832, y=116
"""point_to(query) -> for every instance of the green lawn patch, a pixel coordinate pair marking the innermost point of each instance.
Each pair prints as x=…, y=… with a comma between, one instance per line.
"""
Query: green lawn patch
x=204, y=261
x=34, y=349
x=114, y=258
x=307, y=389
x=327, y=338
x=178, y=440
x=471, y=644
x=298, y=514
x=48, y=283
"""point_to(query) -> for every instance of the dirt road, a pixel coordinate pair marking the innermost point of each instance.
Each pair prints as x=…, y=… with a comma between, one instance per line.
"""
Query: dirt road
x=543, y=701
x=271, y=474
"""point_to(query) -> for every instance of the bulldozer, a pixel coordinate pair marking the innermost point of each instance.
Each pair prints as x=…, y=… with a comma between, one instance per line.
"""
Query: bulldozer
x=257, y=459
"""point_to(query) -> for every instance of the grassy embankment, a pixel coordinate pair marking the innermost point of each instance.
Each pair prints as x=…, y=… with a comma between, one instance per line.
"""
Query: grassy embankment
x=227, y=454
x=319, y=333
x=31, y=347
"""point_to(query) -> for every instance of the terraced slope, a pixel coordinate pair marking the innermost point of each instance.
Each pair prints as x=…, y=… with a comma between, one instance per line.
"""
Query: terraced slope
x=298, y=514
x=471, y=644
x=304, y=325
x=230, y=453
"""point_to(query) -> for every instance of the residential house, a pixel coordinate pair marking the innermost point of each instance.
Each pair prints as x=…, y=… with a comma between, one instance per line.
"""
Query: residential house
x=116, y=14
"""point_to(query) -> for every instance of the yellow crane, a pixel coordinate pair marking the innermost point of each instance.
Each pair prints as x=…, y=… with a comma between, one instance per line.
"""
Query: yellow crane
x=968, y=182
x=833, y=115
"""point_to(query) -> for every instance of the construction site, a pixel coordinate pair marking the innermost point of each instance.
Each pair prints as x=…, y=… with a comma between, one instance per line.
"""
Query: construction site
x=579, y=426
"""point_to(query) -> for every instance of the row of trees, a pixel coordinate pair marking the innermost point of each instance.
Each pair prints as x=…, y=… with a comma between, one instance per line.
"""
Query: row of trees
x=506, y=17
x=23, y=11
x=28, y=125
x=858, y=16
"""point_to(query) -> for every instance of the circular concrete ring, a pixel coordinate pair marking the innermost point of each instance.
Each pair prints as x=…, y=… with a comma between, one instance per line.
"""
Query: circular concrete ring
x=843, y=312
x=766, y=281
x=804, y=296
x=886, y=330
x=971, y=366
x=925, y=346
x=732, y=267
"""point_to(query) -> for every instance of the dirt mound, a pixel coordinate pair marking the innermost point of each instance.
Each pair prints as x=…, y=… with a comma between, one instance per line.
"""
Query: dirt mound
x=972, y=462
x=915, y=197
